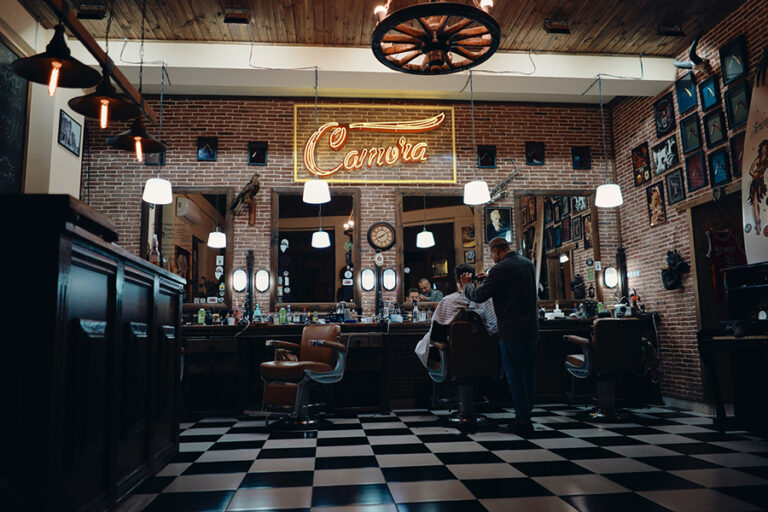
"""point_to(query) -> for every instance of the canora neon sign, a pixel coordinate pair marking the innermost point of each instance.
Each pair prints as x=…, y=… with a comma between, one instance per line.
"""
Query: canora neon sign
x=402, y=151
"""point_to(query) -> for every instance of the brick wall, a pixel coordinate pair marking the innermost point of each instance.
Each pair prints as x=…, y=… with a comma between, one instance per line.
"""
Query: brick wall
x=646, y=247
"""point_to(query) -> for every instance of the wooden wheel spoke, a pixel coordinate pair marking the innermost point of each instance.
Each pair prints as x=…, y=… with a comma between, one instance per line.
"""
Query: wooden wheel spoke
x=400, y=38
x=441, y=25
x=458, y=26
x=476, y=42
x=470, y=32
x=465, y=53
x=409, y=30
x=405, y=59
x=427, y=29
x=399, y=48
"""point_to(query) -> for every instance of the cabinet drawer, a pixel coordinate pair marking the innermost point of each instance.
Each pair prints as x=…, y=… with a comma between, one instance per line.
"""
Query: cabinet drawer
x=204, y=346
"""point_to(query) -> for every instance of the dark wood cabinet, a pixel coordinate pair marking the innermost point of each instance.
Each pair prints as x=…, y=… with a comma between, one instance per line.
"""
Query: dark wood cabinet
x=90, y=378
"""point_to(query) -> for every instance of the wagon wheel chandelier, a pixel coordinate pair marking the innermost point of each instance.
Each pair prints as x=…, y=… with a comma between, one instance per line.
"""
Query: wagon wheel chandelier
x=435, y=38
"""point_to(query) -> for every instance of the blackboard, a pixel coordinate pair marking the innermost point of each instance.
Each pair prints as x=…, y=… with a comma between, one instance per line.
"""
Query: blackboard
x=13, y=123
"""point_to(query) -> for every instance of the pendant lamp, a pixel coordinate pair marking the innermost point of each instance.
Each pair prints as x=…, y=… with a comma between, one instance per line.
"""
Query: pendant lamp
x=55, y=66
x=476, y=191
x=320, y=238
x=217, y=239
x=316, y=190
x=425, y=239
x=608, y=195
x=158, y=190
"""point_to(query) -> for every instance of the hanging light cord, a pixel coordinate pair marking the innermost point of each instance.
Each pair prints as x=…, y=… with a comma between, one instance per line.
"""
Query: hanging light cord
x=472, y=103
x=425, y=213
x=316, y=121
x=109, y=24
x=320, y=214
x=141, y=49
x=602, y=122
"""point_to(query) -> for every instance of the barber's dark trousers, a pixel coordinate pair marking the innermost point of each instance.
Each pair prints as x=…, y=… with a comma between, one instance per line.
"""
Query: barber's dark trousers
x=519, y=360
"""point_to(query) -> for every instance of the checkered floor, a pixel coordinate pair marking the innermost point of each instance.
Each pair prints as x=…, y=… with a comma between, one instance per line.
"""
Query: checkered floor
x=406, y=461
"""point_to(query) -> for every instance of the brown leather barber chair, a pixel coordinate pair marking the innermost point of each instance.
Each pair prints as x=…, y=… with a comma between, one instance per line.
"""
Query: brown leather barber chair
x=617, y=349
x=468, y=353
x=320, y=359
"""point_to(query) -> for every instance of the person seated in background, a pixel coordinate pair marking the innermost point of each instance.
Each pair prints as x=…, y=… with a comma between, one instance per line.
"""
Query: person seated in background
x=427, y=294
x=411, y=296
x=451, y=306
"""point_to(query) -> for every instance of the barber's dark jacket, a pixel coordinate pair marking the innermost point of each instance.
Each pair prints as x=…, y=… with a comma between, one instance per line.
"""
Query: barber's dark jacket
x=512, y=285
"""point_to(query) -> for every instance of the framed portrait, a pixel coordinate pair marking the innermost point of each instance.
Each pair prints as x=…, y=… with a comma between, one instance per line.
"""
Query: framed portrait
x=715, y=130
x=657, y=211
x=69, y=133
x=737, y=105
x=664, y=115
x=468, y=236
x=155, y=158
x=257, y=153
x=206, y=149
x=565, y=205
x=498, y=222
x=733, y=59
x=641, y=164
x=709, y=90
x=486, y=157
x=690, y=133
x=534, y=153
x=549, y=238
x=580, y=203
x=558, y=234
x=587, y=229
x=566, y=225
x=557, y=213
x=576, y=228
x=685, y=90
x=665, y=155
x=695, y=171
x=469, y=256
x=675, y=187
x=737, y=153
x=581, y=157
x=719, y=167
x=547, y=212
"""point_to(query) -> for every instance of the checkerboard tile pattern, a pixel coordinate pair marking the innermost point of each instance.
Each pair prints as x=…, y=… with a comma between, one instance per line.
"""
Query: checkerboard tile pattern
x=666, y=460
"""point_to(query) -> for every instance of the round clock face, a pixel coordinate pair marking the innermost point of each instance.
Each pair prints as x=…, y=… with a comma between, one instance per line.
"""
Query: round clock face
x=381, y=235
x=348, y=274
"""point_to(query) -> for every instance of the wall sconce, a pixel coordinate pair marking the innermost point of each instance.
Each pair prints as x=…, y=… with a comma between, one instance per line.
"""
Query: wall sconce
x=389, y=279
x=610, y=277
x=239, y=280
x=367, y=279
x=262, y=280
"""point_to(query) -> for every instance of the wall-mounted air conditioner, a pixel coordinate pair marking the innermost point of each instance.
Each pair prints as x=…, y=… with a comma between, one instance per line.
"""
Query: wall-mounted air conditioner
x=188, y=210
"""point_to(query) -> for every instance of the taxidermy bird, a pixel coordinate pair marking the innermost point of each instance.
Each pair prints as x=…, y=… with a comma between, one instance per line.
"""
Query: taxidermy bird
x=696, y=63
x=246, y=194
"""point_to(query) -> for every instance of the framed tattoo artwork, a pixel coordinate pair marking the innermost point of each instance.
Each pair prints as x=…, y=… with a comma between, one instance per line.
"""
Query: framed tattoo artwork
x=714, y=128
x=565, y=205
x=206, y=149
x=566, y=225
x=665, y=155
x=534, y=153
x=733, y=59
x=257, y=153
x=155, y=158
x=576, y=228
x=486, y=157
x=469, y=256
x=675, y=187
x=657, y=211
x=690, y=133
x=558, y=233
x=737, y=105
x=709, y=90
x=580, y=203
x=641, y=164
x=695, y=171
x=737, y=154
x=547, y=212
x=719, y=167
x=581, y=157
x=69, y=133
x=587, y=219
x=664, y=115
x=685, y=90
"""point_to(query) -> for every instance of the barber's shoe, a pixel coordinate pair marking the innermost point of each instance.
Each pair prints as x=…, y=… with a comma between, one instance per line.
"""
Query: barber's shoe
x=520, y=427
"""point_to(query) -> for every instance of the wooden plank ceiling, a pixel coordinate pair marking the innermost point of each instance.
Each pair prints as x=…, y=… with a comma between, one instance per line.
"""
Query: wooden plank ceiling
x=597, y=26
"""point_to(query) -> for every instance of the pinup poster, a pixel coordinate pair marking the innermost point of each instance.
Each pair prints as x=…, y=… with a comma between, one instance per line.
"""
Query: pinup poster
x=754, y=187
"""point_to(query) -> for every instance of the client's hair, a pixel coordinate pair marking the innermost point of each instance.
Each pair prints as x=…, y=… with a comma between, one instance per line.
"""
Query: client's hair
x=463, y=268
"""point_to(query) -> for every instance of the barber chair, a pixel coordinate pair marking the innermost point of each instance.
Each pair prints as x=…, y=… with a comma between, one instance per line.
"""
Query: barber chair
x=617, y=349
x=468, y=353
x=321, y=359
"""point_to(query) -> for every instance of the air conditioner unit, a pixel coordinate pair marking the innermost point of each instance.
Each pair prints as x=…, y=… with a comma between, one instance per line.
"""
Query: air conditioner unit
x=188, y=210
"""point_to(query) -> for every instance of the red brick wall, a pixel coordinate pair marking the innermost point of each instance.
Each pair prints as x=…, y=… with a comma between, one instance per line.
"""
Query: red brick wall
x=646, y=247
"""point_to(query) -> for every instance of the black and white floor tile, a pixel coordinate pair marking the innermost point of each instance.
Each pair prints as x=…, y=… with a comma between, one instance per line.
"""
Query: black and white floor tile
x=667, y=460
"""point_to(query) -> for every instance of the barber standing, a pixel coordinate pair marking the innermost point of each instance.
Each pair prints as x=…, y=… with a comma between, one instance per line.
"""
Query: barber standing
x=511, y=283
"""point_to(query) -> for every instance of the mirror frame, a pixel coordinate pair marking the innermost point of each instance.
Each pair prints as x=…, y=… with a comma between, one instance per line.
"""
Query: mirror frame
x=274, y=245
x=227, y=224
x=400, y=247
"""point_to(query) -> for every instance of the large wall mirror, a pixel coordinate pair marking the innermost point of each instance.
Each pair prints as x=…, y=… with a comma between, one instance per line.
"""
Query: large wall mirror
x=308, y=274
x=175, y=237
x=455, y=228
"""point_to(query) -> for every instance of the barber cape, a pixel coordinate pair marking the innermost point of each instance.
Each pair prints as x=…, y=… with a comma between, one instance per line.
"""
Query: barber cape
x=447, y=310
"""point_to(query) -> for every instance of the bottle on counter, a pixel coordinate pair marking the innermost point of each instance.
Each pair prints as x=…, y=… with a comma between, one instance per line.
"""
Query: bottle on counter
x=282, y=316
x=257, y=313
x=288, y=316
x=304, y=316
x=415, y=317
x=201, y=316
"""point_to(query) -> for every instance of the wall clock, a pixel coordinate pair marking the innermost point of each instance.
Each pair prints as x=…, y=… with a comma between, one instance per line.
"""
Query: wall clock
x=381, y=235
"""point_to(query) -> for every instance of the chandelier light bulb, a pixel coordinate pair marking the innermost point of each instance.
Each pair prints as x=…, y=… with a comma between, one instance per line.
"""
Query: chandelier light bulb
x=476, y=192
x=316, y=191
x=53, y=82
x=137, y=146
x=157, y=191
x=608, y=195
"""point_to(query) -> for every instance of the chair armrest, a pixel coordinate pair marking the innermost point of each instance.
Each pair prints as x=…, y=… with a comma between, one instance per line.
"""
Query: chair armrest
x=335, y=345
x=439, y=345
x=578, y=340
x=282, y=344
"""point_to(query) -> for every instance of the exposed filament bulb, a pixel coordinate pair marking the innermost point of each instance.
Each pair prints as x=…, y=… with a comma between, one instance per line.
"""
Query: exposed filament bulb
x=139, y=153
x=53, y=82
x=104, y=117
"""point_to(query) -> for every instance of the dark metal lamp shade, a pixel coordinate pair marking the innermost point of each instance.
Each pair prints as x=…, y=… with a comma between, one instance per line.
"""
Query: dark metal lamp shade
x=89, y=105
x=127, y=139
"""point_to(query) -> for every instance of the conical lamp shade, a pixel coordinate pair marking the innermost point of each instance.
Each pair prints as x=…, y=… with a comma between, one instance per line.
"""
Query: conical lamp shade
x=217, y=239
x=316, y=192
x=320, y=239
x=157, y=191
x=72, y=73
x=118, y=107
x=608, y=195
x=476, y=192
x=425, y=240
x=127, y=139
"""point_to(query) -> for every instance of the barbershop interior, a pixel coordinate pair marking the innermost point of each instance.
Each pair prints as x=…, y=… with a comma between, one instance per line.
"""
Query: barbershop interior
x=384, y=255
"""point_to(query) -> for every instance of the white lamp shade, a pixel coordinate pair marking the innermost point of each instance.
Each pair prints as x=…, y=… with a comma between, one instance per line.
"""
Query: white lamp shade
x=320, y=239
x=157, y=191
x=564, y=258
x=217, y=239
x=610, y=277
x=262, y=280
x=425, y=239
x=608, y=196
x=367, y=279
x=476, y=192
x=316, y=192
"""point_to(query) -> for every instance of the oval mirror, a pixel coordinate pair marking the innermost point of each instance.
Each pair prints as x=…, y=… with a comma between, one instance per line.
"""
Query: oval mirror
x=262, y=280
x=367, y=279
x=610, y=277
x=389, y=279
x=239, y=280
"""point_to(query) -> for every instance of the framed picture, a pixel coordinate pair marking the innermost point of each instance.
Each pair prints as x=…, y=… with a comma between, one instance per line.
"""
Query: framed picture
x=737, y=105
x=469, y=256
x=719, y=167
x=498, y=222
x=547, y=212
x=558, y=233
x=657, y=212
x=737, y=153
x=565, y=205
x=155, y=158
x=69, y=133
x=695, y=171
x=468, y=236
x=664, y=115
x=733, y=59
x=566, y=225
x=690, y=133
x=580, y=203
x=576, y=228
x=206, y=149
x=557, y=213
x=257, y=153
x=581, y=157
x=714, y=128
x=549, y=238
x=486, y=157
x=675, y=187
x=534, y=153
x=665, y=155
x=709, y=90
x=685, y=90
x=587, y=229
x=641, y=164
